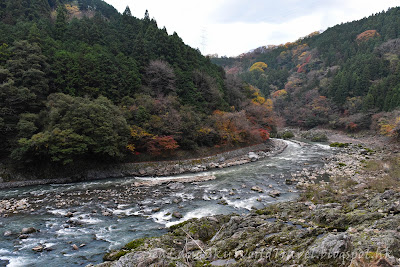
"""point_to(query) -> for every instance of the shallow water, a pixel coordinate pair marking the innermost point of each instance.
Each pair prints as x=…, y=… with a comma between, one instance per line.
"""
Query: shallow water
x=138, y=212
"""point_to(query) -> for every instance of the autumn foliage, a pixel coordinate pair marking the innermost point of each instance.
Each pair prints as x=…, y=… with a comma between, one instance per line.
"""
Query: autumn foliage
x=387, y=123
x=367, y=35
x=162, y=145
x=259, y=66
x=279, y=94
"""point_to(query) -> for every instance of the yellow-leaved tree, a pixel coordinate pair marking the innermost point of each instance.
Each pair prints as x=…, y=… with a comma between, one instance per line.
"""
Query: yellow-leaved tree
x=259, y=66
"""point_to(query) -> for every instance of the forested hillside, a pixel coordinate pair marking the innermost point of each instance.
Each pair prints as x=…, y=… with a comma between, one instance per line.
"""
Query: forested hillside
x=80, y=82
x=347, y=77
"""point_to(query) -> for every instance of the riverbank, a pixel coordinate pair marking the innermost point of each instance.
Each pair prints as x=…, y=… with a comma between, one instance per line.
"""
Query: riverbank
x=352, y=219
x=163, y=168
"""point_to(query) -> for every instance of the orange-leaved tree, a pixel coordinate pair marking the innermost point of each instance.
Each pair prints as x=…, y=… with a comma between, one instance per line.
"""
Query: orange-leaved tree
x=162, y=145
x=367, y=35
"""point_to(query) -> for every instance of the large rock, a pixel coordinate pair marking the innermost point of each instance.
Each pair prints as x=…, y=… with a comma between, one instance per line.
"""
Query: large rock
x=194, y=245
x=177, y=215
x=388, y=194
x=331, y=247
x=253, y=156
x=151, y=258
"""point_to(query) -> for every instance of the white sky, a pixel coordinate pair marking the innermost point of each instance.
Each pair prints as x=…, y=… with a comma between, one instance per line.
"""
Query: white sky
x=232, y=27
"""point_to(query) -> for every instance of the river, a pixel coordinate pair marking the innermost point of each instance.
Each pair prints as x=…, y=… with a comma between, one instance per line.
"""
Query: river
x=106, y=214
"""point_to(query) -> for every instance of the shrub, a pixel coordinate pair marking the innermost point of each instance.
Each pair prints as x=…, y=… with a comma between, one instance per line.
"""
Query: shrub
x=315, y=136
x=283, y=135
x=134, y=244
x=341, y=145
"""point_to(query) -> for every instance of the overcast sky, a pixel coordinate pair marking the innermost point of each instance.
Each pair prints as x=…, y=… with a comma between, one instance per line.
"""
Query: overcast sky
x=231, y=27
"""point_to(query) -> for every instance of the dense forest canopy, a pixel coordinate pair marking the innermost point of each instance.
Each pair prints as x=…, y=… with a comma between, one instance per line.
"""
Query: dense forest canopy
x=347, y=77
x=81, y=82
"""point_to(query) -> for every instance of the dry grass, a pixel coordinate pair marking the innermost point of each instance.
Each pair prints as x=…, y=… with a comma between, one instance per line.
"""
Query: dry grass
x=390, y=174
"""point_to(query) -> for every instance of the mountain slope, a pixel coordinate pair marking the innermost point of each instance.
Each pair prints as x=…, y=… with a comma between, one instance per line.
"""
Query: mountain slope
x=339, y=77
x=81, y=82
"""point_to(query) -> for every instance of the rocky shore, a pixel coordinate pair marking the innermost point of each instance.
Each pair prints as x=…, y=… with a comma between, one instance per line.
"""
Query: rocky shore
x=350, y=219
x=163, y=168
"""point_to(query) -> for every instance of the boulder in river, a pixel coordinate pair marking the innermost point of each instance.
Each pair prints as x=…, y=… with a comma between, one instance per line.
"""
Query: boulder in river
x=23, y=236
x=74, y=223
x=223, y=202
x=106, y=213
x=7, y=233
x=177, y=200
x=38, y=248
x=274, y=193
x=257, y=189
x=28, y=230
x=156, y=209
x=177, y=215
x=289, y=181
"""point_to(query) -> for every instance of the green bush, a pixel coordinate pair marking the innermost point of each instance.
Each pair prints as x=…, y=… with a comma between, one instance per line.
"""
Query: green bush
x=134, y=244
x=114, y=255
x=283, y=135
x=336, y=144
x=315, y=136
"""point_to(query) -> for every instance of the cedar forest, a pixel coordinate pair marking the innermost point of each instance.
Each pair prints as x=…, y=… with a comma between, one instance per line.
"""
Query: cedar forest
x=81, y=83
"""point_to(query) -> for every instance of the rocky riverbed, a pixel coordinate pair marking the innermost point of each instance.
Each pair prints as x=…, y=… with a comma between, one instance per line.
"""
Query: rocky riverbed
x=76, y=223
x=350, y=219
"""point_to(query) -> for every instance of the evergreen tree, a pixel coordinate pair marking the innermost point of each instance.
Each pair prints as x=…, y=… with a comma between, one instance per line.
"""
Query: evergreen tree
x=127, y=12
x=61, y=24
